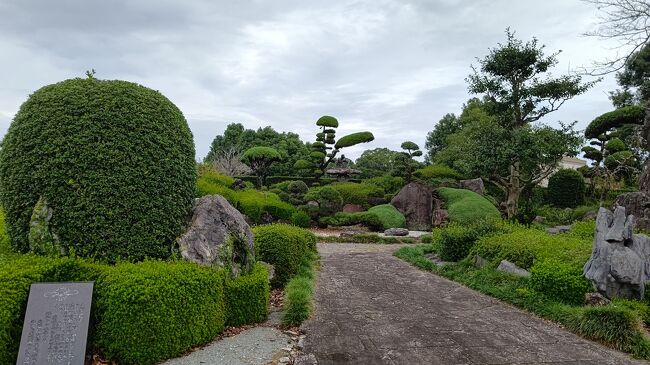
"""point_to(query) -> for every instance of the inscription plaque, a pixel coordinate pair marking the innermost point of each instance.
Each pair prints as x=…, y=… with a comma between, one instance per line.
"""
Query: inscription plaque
x=55, y=330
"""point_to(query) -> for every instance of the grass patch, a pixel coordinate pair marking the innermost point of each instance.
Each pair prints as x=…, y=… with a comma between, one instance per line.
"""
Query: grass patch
x=619, y=325
x=299, y=293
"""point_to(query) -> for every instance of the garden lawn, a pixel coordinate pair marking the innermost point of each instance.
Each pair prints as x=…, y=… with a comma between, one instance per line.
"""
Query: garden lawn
x=465, y=206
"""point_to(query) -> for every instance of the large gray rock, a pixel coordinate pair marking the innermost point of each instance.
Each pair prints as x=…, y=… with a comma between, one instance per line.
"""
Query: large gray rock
x=475, y=185
x=558, y=229
x=509, y=267
x=416, y=203
x=619, y=265
x=218, y=235
x=637, y=204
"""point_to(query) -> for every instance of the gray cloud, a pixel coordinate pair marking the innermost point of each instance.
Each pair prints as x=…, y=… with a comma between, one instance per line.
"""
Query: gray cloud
x=392, y=67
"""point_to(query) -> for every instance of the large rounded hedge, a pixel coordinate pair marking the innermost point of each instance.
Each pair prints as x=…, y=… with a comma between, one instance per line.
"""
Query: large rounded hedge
x=566, y=188
x=113, y=160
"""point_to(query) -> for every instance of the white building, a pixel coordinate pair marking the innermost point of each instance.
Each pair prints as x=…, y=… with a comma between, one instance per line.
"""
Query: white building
x=566, y=163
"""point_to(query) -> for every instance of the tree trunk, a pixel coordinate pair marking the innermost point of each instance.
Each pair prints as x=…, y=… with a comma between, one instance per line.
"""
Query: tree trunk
x=513, y=190
x=644, y=179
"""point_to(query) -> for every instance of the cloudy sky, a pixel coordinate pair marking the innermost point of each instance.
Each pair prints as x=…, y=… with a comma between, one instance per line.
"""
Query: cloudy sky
x=393, y=67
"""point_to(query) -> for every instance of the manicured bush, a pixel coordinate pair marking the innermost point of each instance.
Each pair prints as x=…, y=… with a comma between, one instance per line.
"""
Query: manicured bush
x=329, y=199
x=559, y=281
x=155, y=310
x=633, y=114
x=389, y=216
x=247, y=297
x=367, y=219
x=297, y=187
x=438, y=171
x=523, y=246
x=284, y=247
x=455, y=241
x=113, y=159
x=391, y=184
x=465, y=206
x=353, y=193
x=566, y=189
x=300, y=219
x=614, y=325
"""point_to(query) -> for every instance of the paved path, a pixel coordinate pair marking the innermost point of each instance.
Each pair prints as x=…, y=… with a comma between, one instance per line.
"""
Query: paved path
x=373, y=308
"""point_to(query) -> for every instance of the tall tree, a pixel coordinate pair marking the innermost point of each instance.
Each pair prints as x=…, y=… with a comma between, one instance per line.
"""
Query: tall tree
x=377, y=162
x=260, y=159
x=515, y=79
x=236, y=139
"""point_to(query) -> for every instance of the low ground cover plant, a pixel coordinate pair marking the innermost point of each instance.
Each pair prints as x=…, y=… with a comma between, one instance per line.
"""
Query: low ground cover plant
x=299, y=292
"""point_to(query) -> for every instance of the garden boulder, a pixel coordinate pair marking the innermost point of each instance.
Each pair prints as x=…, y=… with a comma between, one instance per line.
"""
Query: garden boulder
x=509, y=267
x=218, y=235
x=619, y=266
x=475, y=185
x=415, y=201
x=637, y=204
x=396, y=232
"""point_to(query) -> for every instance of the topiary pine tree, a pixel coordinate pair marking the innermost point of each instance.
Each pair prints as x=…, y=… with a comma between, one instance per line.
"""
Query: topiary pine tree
x=326, y=147
x=411, y=150
x=260, y=159
x=111, y=163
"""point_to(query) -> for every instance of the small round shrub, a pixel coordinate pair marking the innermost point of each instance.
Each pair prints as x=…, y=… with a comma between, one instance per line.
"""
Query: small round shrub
x=559, y=281
x=247, y=297
x=114, y=161
x=300, y=219
x=389, y=216
x=297, y=187
x=466, y=207
x=566, y=188
x=329, y=199
x=456, y=241
x=283, y=246
x=353, y=193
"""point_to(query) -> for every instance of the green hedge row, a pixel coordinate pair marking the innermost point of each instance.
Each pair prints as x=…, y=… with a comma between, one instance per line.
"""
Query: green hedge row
x=144, y=312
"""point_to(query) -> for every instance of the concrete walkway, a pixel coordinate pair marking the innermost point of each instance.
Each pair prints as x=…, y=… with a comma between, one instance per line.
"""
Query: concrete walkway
x=373, y=308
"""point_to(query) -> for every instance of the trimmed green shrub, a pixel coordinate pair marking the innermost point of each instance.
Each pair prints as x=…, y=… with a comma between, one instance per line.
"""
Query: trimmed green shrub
x=455, y=241
x=367, y=219
x=113, y=159
x=297, y=187
x=633, y=114
x=566, y=188
x=391, y=184
x=329, y=199
x=389, y=216
x=559, y=281
x=614, y=325
x=300, y=219
x=299, y=292
x=247, y=297
x=354, y=139
x=437, y=171
x=155, y=310
x=523, y=246
x=284, y=247
x=465, y=206
x=353, y=193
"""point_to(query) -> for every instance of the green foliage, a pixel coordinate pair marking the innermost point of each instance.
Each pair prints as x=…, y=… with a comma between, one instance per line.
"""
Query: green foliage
x=523, y=246
x=436, y=140
x=633, y=114
x=327, y=121
x=408, y=145
x=284, y=247
x=367, y=219
x=297, y=187
x=113, y=159
x=614, y=325
x=353, y=193
x=621, y=158
x=559, y=281
x=299, y=292
x=615, y=145
x=456, y=240
x=377, y=162
x=354, y=139
x=465, y=206
x=155, y=310
x=390, y=184
x=566, y=188
x=247, y=297
x=300, y=219
x=368, y=238
x=389, y=216
x=329, y=199
x=252, y=203
x=437, y=172
x=260, y=153
x=237, y=138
